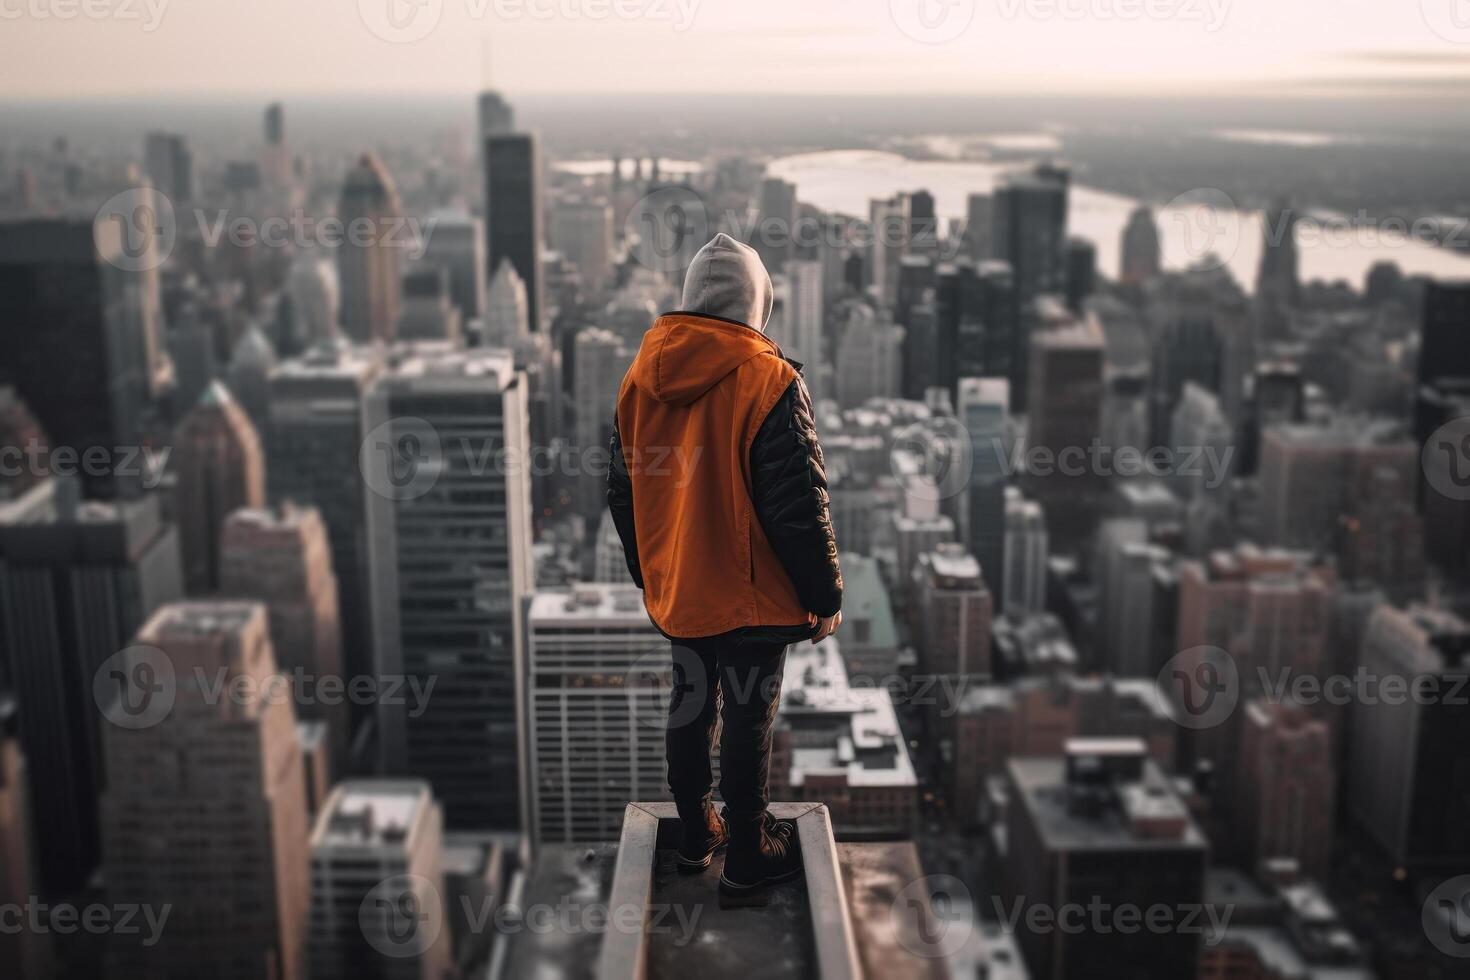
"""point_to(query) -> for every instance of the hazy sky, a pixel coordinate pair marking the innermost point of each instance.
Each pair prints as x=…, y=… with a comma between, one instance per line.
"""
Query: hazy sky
x=89, y=48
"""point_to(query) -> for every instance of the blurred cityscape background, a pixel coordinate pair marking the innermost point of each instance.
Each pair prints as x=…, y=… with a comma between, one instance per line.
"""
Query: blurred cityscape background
x=1140, y=345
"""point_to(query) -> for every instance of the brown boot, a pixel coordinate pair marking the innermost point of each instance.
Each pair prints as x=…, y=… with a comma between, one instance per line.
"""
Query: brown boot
x=703, y=833
x=763, y=852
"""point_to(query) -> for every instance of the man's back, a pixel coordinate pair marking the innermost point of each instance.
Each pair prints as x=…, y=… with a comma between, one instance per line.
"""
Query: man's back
x=688, y=413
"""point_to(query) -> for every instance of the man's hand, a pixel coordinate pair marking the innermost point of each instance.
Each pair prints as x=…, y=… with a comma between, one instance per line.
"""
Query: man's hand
x=826, y=625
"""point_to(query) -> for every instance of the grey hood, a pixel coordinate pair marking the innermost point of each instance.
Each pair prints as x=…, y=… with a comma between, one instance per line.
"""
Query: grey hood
x=727, y=279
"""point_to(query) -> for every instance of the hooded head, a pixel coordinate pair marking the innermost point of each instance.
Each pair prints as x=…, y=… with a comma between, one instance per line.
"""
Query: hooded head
x=726, y=279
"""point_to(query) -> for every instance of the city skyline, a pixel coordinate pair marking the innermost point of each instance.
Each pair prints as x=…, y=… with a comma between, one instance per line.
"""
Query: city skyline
x=1062, y=486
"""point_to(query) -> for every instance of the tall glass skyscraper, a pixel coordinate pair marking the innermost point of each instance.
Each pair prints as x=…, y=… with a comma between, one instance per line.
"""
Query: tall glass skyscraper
x=449, y=547
x=513, y=213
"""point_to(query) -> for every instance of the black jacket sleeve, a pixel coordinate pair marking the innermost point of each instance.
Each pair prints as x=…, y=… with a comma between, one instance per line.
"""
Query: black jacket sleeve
x=789, y=484
x=620, y=503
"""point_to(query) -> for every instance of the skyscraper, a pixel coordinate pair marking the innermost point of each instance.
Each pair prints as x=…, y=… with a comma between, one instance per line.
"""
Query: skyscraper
x=76, y=581
x=979, y=226
x=507, y=309
x=220, y=468
x=1024, y=580
x=1310, y=476
x=1126, y=567
x=449, y=553
x=954, y=610
x=1030, y=229
x=1064, y=411
x=1444, y=366
x=1102, y=826
x=316, y=301
x=982, y=410
x=275, y=124
x=513, y=214
x=805, y=317
x=582, y=231
x=455, y=241
x=923, y=225
x=1278, y=280
x=1199, y=426
x=776, y=228
x=275, y=156
x=602, y=358
x=1407, y=784
x=496, y=117
x=1187, y=320
x=593, y=746
x=1140, y=247
x=281, y=557
x=248, y=377
x=19, y=431
x=869, y=358
x=81, y=336
x=980, y=327
x=317, y=404
x=1271, y=612
x=429, y=311
x=1081, y=267
x=379, y=905
x=218, y=831
x=170, y=165
x=369, y=263
x=889, y=231
x=1287, y=800
x=27, y=950
x=1036, y=716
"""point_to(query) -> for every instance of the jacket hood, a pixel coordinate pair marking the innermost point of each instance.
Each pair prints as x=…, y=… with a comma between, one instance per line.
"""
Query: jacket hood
x=727, y=279
x=684, y=355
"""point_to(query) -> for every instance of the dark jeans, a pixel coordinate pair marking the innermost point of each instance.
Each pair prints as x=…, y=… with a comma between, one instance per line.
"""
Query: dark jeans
x=734, y=685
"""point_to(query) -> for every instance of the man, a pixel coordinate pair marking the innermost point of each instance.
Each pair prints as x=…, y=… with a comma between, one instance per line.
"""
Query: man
x=717, y=489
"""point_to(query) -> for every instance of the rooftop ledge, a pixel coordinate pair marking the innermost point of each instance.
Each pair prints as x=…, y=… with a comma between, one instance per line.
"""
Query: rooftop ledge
x=837, y=924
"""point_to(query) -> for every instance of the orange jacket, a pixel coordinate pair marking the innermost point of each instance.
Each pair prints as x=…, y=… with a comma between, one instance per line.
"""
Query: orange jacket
x=688, y=412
